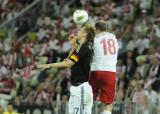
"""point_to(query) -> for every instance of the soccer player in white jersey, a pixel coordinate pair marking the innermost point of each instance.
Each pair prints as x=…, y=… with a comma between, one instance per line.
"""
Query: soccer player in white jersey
x=103, y=68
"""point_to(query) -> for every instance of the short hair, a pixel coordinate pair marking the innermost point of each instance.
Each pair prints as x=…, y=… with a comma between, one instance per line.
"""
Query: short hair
x=101, y=25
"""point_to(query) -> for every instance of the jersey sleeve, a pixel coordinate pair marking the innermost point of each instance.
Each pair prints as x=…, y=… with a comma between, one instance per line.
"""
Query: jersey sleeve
x=80, y=52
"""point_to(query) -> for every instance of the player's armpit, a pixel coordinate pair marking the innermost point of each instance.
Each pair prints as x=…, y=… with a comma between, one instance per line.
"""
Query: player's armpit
x=69, y=63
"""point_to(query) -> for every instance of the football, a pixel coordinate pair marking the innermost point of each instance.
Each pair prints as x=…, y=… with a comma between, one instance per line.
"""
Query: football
x=80, y=17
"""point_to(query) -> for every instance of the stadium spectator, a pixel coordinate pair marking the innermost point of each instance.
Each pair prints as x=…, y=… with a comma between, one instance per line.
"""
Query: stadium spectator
x=8, y=84
x=158, y=108
x=142, y=66
x=1, y=110
x=139, y=97
x=137, y=78
x=129, y=92
x=40, y=96
x=43, y=20
x=152, y=96
x=130, y=68
x=153, y=74
x=17, y=104
x=10, y=8
x=10, y=110
x=62, y=81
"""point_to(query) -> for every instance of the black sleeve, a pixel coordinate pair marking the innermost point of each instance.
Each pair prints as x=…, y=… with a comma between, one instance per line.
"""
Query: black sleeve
x=80, y=52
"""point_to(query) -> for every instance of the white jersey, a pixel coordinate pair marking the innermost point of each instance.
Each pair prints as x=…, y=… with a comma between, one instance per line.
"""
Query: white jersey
x=105, y=52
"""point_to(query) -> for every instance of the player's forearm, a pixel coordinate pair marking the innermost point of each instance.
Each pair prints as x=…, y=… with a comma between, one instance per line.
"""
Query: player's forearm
x=57, y=65
x=64, y=64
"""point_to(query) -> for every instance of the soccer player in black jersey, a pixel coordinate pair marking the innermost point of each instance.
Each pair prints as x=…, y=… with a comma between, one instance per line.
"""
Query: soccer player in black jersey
x=81, y=97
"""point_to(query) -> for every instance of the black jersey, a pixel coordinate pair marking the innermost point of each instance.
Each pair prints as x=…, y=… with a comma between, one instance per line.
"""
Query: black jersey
x=82, y=57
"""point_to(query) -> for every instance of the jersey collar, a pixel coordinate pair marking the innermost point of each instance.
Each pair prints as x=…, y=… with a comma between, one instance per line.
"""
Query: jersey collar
x=100, y=34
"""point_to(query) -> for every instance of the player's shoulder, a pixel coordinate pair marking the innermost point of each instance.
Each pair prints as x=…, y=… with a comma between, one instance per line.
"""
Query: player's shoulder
x=111, y=34
x=83, y=46
x=102, y=34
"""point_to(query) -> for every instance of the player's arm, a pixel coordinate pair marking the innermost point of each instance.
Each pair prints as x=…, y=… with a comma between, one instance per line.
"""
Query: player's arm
x=75, y=56
x=64, y=64
x=72, y=40
x=71, y=51
x=69, y=62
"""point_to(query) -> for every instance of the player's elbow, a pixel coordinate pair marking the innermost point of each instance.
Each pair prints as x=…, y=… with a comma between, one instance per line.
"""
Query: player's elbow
x=68, y=64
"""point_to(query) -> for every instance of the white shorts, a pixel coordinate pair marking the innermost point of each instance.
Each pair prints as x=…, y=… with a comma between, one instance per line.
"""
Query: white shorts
x=81, y=99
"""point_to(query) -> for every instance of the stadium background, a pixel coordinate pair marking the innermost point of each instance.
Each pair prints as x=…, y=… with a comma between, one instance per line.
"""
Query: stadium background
x=35, y=31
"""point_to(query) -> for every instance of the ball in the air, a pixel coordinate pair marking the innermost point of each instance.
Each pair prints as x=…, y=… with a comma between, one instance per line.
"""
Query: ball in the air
x=80, y=17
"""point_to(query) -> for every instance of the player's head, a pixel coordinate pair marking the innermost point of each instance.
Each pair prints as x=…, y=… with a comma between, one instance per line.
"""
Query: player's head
x=87, y=33
x=100, y=26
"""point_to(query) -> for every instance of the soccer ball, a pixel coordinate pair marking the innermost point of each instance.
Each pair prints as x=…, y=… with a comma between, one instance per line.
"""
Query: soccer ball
x=80, y=17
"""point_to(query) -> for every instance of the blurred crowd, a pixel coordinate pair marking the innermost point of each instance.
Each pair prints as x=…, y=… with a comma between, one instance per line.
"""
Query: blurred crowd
x=10, y=8
x=136, y=24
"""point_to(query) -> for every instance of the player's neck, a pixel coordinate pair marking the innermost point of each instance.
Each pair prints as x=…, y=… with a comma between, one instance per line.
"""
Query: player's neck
x=98, y=32
x=82, y=40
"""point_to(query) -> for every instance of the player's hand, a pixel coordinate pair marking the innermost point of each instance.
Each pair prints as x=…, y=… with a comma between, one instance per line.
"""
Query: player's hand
x=43, y=66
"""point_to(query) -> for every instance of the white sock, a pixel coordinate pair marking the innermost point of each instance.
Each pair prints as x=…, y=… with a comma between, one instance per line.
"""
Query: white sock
x=106, y=112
